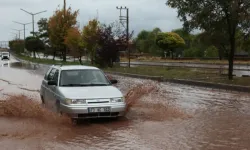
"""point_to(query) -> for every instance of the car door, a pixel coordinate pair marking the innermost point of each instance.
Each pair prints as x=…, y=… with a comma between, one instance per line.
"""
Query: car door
x=44, y=86
x=50, y=88
x=54, y=89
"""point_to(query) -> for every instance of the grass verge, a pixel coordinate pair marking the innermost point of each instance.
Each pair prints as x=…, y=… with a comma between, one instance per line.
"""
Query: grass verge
x=206, y=75
x=46, y=61
x=156, y=59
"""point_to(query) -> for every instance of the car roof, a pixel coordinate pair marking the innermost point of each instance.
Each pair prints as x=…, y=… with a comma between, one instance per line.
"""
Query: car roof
x=74, y=67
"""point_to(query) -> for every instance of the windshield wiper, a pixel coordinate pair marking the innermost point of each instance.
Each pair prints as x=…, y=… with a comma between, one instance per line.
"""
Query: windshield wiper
x=72, y=85
x=90, y=84
x=95, y=84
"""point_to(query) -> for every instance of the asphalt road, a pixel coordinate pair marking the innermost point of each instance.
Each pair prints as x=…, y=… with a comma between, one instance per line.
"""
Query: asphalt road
x=161, y=116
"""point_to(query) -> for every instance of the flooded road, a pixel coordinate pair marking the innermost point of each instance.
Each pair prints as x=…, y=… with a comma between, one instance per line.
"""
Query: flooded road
x=161, y=116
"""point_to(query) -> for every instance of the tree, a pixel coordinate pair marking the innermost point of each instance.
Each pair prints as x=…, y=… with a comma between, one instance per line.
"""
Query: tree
x=89, y=34
x=17, y=46
x=58, y=28
x=74, y=41
x=145, y=41
x=110, y=42
x=218, y=39
x=43, y=35
x=185, y=35
x=169, y=41
x=33, y=44
x=214, y=15
x=211, y=52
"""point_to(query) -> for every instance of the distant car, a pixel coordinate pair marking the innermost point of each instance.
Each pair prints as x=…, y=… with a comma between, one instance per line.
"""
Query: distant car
x=81, y=92
x=5, y=55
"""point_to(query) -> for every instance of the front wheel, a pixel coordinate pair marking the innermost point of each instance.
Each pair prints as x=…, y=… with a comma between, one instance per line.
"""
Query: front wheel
x=74, y=121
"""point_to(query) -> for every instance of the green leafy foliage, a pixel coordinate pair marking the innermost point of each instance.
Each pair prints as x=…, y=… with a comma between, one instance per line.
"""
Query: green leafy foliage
x=58, y=25
x=90, y=37
x=34, y=44
x=169, y=41
x=17, y=46
x=225, y=16
x=145, y=42
x=74, y=42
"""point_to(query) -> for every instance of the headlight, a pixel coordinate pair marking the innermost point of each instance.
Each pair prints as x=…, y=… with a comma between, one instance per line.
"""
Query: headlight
x=68, y=101
x=117, y=100
x=75, y=101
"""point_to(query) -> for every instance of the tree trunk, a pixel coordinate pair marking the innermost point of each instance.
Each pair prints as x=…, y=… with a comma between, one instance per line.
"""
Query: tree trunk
x=80, y=60
x=92, y=57
x=64, y=56
x=34, y=54
x=54, y=55
x=231, y=57
x=38, y=55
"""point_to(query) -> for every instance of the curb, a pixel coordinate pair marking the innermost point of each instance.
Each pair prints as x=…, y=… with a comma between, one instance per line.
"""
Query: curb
x=187, y=82
x=155, y=78
x=196, y=63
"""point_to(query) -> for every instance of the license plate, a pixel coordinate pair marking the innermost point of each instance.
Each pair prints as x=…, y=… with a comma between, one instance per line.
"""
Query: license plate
x=99, y=109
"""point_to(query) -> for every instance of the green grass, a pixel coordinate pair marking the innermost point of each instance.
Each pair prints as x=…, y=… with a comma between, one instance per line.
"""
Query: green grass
x=207, y=75
x=223, y=62
x=169, y=73
x=46, y=61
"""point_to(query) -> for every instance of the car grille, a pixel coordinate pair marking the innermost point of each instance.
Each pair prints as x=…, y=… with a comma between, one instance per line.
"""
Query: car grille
x=94, y=102
x=98, y=115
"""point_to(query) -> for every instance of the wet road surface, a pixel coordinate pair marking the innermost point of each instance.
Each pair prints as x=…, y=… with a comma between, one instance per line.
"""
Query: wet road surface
x=169, y=116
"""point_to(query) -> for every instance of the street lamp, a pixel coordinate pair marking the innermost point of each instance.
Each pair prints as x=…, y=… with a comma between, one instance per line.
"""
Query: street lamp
x=24, y=24
x=14, y=33
x=18, y=32
x=33, y=14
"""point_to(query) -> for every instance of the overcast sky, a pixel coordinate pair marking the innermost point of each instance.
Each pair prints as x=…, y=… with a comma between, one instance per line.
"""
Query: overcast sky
x=144, y=14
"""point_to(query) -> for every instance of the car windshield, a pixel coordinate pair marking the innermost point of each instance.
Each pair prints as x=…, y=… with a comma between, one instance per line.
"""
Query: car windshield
x=84, y=77
x=5, y=53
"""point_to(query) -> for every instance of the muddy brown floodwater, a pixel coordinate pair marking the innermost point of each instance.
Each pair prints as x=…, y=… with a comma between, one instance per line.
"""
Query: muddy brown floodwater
x=160, y=116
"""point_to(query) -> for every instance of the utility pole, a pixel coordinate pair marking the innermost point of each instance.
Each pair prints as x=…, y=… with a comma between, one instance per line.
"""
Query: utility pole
x=126, y=19
x=64, y=21
x=33, y=20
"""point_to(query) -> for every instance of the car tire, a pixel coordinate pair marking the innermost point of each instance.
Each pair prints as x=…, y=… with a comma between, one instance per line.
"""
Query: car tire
x=74, y=121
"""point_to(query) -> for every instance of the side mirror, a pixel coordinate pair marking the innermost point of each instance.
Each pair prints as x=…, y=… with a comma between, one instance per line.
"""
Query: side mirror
x=52, y=83
x=113, y=81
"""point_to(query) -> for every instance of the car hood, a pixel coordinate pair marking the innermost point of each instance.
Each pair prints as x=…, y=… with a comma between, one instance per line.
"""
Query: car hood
x=92, y=92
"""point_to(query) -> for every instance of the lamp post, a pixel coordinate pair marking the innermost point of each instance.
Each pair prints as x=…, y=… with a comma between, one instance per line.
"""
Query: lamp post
x=24, y=24
x=18, y=32
x=33, y=14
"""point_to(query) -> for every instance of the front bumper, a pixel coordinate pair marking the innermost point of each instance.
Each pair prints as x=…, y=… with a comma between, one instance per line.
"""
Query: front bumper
x=81, y=111
x=5, y=57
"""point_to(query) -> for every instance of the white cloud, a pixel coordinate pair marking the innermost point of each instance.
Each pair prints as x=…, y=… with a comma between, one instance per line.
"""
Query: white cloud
x=144, y=14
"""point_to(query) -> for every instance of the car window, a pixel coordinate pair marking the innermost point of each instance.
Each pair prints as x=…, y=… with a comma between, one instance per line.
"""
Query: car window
x=85, y=77
x=55, y=77
x=51, y=74
x=47, y=74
